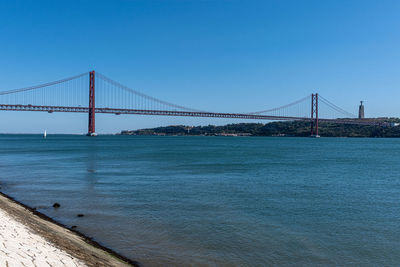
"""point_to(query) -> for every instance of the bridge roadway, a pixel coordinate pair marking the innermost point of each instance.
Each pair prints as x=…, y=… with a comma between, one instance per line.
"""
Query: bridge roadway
x=119, y=111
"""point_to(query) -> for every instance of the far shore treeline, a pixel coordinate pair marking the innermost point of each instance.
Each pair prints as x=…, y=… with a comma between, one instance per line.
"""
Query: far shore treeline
x=281, y=128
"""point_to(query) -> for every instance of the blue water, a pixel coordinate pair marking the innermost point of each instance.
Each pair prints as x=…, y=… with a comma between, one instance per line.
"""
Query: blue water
x=217, y=201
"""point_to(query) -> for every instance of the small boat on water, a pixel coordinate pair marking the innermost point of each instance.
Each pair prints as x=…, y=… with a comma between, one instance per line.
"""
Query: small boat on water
x=315, y=136
x=45, y=134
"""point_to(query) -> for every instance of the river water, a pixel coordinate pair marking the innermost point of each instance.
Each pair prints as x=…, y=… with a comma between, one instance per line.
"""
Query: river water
x=217, y=201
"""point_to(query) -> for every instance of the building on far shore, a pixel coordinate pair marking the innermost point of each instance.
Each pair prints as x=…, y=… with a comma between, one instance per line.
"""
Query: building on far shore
x=361, y=110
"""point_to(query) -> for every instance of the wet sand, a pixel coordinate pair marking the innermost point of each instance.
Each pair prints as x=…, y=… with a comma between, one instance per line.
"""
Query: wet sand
x=29, y=238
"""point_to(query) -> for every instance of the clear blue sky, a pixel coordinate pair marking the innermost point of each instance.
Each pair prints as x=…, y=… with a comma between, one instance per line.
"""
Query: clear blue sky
x=232, y=56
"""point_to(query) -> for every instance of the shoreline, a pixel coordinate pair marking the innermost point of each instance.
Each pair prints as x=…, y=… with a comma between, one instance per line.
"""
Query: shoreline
x=199, y=135
x=62, y=237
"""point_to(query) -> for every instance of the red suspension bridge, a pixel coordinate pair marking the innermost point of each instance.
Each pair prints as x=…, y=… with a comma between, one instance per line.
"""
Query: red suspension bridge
x=108, y=96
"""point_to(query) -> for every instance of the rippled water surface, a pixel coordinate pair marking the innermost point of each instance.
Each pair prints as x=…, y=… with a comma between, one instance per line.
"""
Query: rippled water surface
x=217, y=201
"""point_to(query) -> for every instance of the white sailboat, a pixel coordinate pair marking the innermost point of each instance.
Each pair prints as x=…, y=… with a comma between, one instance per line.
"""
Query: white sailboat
x=45, y=134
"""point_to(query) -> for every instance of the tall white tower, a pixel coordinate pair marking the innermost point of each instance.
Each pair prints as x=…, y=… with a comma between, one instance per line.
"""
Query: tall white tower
x=361, y=110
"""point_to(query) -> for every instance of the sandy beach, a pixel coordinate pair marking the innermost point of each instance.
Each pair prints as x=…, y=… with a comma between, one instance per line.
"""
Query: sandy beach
x=28, y=238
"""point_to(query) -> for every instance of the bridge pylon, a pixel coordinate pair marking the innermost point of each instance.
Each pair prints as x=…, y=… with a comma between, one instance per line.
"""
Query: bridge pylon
x=314, y=115
x=92, y=110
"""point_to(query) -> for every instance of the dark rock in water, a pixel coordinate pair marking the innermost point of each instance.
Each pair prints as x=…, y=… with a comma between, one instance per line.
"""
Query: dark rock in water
x=80, y=215
x=34, y=209
x=73, y=226
x=56, y=205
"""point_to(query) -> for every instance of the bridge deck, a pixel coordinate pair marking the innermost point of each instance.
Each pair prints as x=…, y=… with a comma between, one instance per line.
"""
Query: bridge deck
x=118, y=111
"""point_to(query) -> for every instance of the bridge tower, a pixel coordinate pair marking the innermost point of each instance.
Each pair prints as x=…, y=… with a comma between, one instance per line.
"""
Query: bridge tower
x=91, y=128
x=314, y=114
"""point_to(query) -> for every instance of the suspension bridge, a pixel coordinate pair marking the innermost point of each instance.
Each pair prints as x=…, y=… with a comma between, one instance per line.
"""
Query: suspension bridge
x=92, y=93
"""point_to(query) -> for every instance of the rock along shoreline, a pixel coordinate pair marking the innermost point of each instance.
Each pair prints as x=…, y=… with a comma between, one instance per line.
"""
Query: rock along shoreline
x=70, y=241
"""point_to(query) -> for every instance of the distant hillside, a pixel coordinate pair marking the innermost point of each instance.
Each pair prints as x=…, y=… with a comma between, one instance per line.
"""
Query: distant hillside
x=281, y=128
